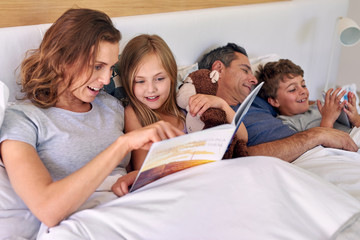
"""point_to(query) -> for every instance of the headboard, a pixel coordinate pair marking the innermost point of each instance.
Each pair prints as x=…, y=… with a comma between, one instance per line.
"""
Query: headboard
x=300, y=30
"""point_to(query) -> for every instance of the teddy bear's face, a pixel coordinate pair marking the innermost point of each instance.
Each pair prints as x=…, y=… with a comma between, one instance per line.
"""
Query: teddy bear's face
x=203, y=82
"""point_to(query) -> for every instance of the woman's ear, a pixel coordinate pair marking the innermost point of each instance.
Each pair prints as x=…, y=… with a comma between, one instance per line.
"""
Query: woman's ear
x=273, y=102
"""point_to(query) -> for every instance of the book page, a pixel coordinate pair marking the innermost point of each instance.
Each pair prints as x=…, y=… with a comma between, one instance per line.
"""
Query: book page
x=172, y=155
x=245, y=105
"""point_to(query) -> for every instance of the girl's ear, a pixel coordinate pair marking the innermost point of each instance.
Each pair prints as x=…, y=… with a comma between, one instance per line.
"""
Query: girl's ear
x=273, y=102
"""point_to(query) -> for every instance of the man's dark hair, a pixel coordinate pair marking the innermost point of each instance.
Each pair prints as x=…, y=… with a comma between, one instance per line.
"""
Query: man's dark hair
x=225, y=54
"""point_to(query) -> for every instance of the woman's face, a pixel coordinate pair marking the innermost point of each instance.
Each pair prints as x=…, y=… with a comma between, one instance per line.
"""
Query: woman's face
x=84, y=89
x=151, y=84
x=292, y=96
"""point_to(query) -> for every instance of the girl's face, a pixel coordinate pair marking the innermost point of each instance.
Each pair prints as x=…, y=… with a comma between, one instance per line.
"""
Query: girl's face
x=292, y=96
x=84, y=89
x=151, y=82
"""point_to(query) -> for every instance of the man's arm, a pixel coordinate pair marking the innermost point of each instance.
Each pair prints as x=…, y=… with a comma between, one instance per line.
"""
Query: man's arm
x=292, y=147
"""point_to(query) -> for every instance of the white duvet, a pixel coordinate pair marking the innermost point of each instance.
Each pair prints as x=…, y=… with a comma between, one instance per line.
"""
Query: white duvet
x=339, y=167
x=247, y=198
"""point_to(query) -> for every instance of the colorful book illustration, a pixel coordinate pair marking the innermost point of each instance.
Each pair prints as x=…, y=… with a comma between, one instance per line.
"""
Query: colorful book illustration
x=189, y=150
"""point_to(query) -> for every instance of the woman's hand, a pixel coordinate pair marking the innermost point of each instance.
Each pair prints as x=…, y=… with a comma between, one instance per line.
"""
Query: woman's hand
x=142, y=138
x=351, y=110
x=121, y=187
x=332, y=107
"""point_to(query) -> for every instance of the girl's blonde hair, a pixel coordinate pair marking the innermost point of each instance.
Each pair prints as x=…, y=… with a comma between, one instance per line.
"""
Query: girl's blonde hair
x=130, y=58
x=66, y=51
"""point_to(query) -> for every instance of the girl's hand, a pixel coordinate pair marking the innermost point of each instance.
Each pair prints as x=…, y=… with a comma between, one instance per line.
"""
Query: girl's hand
x=199, y=103
x=121, y=187
x=351, y=110
x=332, y=107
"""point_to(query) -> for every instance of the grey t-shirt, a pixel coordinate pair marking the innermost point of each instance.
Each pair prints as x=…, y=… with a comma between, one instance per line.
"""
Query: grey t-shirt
x=65, y=140
x=311, y=118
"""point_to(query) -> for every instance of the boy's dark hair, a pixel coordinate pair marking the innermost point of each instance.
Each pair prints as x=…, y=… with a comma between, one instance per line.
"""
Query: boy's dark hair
x=226, y=54
x=274, y=72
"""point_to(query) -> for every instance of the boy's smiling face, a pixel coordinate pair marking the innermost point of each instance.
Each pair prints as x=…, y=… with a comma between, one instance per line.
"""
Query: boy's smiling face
x=292, y=96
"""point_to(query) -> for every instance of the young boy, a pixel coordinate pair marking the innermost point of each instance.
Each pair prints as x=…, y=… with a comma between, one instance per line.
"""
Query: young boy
x=286, y=91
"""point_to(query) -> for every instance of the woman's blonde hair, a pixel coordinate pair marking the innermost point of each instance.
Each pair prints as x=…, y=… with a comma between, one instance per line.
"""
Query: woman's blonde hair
x=130, y=58
x=66, y=51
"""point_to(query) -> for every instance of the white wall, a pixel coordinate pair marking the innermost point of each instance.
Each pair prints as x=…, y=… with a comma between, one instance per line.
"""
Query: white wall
x=300, y=30
x=349, y=61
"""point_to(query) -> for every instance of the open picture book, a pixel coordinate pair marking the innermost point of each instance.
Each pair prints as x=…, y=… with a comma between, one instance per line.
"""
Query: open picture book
x=189, y=150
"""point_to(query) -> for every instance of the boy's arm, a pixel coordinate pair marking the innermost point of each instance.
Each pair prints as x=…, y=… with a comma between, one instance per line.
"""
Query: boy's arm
x=351, y=110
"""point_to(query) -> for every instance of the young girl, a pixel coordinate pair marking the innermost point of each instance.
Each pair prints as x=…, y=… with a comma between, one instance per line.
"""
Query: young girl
x=148, y=72
x=285, y=90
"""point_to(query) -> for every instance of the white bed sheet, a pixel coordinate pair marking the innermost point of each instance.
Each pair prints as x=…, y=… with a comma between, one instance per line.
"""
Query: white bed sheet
x=247, y=198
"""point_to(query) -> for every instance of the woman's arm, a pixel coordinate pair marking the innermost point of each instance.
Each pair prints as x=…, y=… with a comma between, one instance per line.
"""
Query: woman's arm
x=121, y=186
x=52, y=201
x=132, y=123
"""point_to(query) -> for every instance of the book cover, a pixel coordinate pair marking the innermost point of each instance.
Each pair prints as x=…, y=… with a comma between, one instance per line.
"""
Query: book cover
x=189, y=150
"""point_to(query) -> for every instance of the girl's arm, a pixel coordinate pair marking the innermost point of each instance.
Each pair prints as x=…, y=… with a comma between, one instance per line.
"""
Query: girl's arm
x=52, y=201
x=199, y=103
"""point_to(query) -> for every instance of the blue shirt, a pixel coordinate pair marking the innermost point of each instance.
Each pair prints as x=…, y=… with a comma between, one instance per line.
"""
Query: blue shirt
x=262, y=125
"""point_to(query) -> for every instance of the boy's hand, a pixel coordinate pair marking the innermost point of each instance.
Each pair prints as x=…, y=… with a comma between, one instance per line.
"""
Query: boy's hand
x=332, y=107
x=351, y=110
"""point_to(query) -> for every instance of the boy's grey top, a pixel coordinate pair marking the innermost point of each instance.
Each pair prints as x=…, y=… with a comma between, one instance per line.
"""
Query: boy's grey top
x=311, y=118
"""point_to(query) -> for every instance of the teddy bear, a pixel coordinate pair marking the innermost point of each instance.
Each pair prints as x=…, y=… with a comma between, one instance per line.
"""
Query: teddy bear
x=204, y=81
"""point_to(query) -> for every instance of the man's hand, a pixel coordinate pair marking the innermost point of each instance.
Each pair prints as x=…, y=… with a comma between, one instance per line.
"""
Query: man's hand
x=329, y=137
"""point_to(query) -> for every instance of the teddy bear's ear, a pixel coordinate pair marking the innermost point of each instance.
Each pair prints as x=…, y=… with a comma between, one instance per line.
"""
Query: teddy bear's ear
x=214, y=75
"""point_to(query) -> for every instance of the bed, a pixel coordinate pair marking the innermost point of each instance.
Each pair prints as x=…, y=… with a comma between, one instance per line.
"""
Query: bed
x=249, y=198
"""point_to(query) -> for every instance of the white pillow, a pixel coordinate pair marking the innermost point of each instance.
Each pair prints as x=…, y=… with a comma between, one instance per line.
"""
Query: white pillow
x=4, y=96
x=262, y=60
